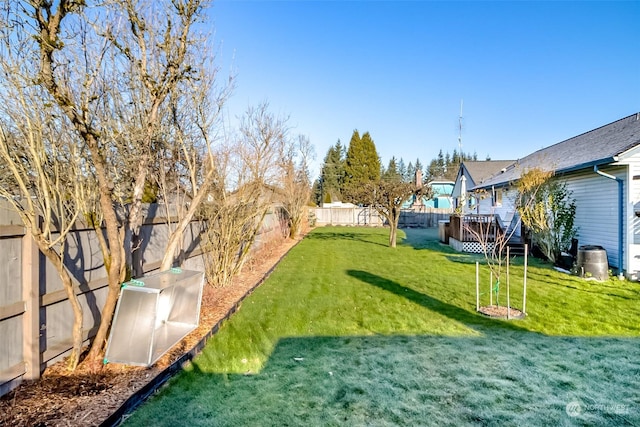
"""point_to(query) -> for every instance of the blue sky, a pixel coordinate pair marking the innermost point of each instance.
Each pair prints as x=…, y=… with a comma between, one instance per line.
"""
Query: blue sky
x=530, y=73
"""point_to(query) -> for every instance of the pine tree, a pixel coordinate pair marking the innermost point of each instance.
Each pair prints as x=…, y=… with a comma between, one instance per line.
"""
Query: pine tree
x=392, y=173
x=402, y=170
x=411, y=172
x=362, y=164
x=418, y=168
x=316, y=192
x=332, y=174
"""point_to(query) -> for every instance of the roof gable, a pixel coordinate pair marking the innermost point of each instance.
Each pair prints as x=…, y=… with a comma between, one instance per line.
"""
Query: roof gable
x=596, y=147
x=479, y=171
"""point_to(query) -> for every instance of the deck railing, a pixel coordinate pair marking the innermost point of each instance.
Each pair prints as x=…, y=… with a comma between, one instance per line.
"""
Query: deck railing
x=475, y=227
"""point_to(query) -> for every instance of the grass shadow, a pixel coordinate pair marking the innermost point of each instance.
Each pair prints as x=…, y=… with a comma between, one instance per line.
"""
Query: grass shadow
x=451, y=311
x=424, y=238
x=412, y=380
x=336, y=236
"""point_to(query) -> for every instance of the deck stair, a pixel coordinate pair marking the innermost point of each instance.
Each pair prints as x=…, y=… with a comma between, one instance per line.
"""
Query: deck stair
x=515, y=242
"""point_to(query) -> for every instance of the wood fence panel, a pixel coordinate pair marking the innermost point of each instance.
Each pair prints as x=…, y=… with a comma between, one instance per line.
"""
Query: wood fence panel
x=35, y=315
x=10, y=274
x=424, y=217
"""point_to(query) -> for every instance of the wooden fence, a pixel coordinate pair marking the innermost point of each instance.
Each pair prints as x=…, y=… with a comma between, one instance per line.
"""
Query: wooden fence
x=364, y=216
x=35, y=316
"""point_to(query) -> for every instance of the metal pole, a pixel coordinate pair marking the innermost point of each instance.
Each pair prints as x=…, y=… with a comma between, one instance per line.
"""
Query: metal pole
x=508, y=300
x=524, y=293
x=477, y=286
x=491, y=289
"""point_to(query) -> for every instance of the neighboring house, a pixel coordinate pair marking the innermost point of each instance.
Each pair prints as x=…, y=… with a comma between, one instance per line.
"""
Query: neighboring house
x=441, y=194
x=441, y=197
x=602, y=170
x=470, y=175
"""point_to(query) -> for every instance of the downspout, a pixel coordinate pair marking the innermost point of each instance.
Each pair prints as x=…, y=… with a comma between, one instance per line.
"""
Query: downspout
x=620, y=215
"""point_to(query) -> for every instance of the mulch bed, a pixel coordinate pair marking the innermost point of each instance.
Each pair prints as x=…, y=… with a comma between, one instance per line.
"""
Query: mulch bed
x=61, y=398
x=500, y=312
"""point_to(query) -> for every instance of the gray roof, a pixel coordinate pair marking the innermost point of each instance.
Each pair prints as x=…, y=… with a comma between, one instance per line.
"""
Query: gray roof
x=481, y=170
x=596, y=147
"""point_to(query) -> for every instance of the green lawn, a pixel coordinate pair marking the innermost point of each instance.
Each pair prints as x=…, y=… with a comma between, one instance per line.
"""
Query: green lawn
x=347, y=331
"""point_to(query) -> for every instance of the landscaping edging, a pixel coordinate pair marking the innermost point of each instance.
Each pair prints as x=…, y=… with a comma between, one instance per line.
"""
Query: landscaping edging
x=140, y=396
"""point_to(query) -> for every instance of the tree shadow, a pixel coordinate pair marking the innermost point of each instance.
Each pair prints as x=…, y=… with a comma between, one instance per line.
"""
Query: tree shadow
x=451, y=311
x=358, y=237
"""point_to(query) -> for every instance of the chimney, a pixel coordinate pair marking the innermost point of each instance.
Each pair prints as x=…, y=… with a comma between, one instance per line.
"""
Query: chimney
x=419, y=178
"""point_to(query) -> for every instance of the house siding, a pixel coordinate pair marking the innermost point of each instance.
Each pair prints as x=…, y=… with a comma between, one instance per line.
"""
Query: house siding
x=597, y=209
x=632, y=226
x=504, y=210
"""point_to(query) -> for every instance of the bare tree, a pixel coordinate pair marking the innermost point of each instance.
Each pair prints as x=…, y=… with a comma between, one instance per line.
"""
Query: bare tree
x=41, y=168
x=186, y=168
x=386, y=196
x=296, y=186
x=109, y=69
x=263, y=138
x=243, y=191
x=494, y=237
x=232, y=219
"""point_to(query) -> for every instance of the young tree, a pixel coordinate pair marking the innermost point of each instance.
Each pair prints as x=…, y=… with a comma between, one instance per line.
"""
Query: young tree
x=548, y=211
x=491, y=234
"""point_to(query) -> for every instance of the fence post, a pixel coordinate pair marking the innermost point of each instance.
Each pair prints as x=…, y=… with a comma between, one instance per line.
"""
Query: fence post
x=31, y=297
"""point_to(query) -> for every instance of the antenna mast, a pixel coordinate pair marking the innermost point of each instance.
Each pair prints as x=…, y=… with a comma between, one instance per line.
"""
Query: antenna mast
x=460, y=129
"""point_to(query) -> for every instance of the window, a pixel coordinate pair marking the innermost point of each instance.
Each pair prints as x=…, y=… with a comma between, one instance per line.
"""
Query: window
x=497, y=197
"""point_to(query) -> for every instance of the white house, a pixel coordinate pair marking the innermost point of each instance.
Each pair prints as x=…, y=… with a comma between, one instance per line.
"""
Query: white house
x=602, y=170
x=470, y=175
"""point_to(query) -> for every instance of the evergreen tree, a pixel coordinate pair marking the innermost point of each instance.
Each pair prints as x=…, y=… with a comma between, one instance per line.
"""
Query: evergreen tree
x=419, y=167
x=456, y=158
x=411, y=173
x=332, y=174
x=392, y=173
x=316, y=192
x=445, y=166
x=402, y=170
x=432, y=171
x=362, y=164
x=440, y=164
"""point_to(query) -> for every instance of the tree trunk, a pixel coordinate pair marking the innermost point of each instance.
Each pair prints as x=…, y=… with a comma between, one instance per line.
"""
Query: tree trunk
x=114, y=258
x=394, y=219
x=177, y=236
x=77, y=338
x=392, y=236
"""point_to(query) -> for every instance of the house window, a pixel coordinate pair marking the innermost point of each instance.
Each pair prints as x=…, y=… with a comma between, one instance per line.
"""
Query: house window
x=497, y=197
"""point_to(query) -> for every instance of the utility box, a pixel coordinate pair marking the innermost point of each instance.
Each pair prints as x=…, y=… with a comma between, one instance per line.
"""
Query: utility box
x=153, y=314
